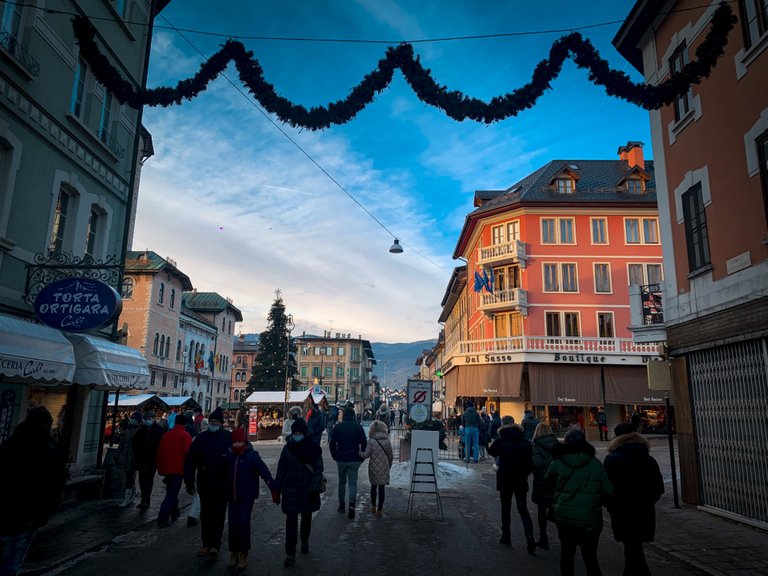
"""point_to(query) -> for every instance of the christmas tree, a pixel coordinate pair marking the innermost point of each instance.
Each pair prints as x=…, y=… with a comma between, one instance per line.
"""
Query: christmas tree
x=273, y=365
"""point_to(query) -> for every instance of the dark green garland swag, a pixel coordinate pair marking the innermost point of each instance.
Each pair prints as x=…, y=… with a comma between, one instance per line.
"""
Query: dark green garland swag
x=453, y=103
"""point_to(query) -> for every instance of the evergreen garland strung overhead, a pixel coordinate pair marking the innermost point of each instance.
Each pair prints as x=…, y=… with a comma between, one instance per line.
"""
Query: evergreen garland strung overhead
x=455, y=104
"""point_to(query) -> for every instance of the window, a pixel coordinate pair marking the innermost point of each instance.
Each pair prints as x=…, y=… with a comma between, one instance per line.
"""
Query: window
x=156, y=344
x=551, y=283
x=632, y=230
x=497, y=235
x=506, y=277
x=223, y=324
x=175, y=380
x=566, y=231
x=105, y=119
x=60, y=221
x=315, y=371
x=605, y=325
x=77, y=104
x=12, y=20
x=571, y=324
x=650, y=231
x=339, y=372
x=599, y=228
x=127, y=291
x=303, y=371
x=696, y=236
x=91, y=234
x=165, y=380
x=548, y=231
x=635, y=186
x=161, y=296
x=152, y=378
x=602, y=278
x=553, y=324
x=328, y=372
x=178, y=350
x=167, y=347
x=754, y=20
x=565, y=185
x=340, y=351
x=570, y=283
x=354, y=373
x=676, y=63
x=355, y=356
x=513, y=231
x=762, y=154
x=173, y=297
x=229, y=330
x=120, y=7
x=644, y=274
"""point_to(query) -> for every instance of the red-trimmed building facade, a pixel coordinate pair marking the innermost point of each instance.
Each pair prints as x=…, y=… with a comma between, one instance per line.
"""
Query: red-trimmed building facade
x=538, y=317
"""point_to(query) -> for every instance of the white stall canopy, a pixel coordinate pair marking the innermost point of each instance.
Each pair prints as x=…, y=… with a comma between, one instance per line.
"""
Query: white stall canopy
x=107, y=365
x=32, y=353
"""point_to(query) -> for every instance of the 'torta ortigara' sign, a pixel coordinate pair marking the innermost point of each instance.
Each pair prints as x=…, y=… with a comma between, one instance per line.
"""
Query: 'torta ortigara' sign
x=77, y=304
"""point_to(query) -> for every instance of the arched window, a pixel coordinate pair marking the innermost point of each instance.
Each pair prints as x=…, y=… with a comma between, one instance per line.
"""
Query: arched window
x=192, y=348
x=223, y=324
x=237, y=376
x=230, y=326
x=162, y=293
x=178, y=350
x=162, y=344
x=156, y=344
x=173, y=297
x=127, y=292
x=167, y=346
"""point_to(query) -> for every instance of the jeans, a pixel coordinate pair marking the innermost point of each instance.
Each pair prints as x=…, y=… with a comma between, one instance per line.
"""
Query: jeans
x=146, y=481
x=472, y=441
x=13, y=550
x=521, y=501
x=380, y=489
x=348, y=471
x=291, y=524
x=239, y=514
x=213, y=510
x=570, y=539
x=170, y=504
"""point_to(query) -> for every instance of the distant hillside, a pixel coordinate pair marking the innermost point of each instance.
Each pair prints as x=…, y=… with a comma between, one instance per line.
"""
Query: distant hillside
x=395, y=363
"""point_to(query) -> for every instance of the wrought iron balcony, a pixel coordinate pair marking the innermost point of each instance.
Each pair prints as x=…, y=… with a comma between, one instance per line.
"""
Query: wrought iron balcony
x=15, y=48
x=508, y=299
x=112, y=144
x=513, y=251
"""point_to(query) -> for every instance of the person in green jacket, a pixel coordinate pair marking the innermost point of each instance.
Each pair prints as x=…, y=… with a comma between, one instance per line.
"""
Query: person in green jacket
x=581, y=489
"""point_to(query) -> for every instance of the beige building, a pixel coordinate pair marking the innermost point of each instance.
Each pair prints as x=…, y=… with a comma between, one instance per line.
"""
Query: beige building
x=338, y=363
x=243, y=358
x=185, y=335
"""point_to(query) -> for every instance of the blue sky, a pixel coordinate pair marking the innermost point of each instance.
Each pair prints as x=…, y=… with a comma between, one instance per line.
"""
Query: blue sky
x=244, y=212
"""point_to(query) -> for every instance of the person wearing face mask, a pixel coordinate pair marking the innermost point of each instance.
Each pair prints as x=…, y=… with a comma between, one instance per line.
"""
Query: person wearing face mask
x=244, y=467
x=205, y=472
x=298, y=483
x=145, y=444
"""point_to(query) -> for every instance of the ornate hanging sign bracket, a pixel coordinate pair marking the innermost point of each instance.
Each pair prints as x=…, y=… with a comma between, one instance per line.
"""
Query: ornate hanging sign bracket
x=50, y=267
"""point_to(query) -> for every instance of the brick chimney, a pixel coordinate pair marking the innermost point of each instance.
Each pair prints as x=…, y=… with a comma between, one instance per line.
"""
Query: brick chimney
x=632, y=154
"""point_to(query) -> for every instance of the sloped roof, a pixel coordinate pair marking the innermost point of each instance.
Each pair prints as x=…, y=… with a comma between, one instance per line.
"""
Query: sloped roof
x=149, y=262
x=209, y=302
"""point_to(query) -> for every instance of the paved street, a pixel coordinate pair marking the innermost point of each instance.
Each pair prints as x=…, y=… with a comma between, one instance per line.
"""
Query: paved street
x=464, y=543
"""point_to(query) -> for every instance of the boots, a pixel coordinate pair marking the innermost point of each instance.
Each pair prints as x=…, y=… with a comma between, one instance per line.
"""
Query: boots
x=128, y=497
x=234, y=558
x=243, y=563
x=351, y=513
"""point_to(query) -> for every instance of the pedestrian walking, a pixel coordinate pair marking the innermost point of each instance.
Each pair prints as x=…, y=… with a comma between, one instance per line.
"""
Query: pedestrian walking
x=484, y=432
x=315, y=420
x=347, y=442
x=171, y=454
x=637, y=485
x=205, y=472
x=543, y=494
x=581, y=489
x=297, y=485
x=515, y=465
x=379, y=452
x=124, y=459
x=471, y=421
x=293, y=414
x=382, y=414
x=244, y=468
x=529, y=424
x=193, y=511
x=33, y=476
x=602, y=424
x=145, y=444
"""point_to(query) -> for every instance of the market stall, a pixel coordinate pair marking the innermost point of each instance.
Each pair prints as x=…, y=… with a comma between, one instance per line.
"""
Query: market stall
x=265, y=412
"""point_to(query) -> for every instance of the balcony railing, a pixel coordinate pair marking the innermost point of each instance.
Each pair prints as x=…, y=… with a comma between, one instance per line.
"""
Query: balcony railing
x=15, y=48
x=504, y=299
x=504, y=252
x=555, y=344
x=112, y=143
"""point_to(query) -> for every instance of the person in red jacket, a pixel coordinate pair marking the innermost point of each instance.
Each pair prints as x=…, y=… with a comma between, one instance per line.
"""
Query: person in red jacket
x=171, y=454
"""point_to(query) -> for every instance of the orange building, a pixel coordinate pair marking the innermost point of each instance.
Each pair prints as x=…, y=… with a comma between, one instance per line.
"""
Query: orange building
x=711, y=151
x=539, y=318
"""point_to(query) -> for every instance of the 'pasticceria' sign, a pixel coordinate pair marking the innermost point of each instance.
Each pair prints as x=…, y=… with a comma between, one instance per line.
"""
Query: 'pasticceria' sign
x=77, y=304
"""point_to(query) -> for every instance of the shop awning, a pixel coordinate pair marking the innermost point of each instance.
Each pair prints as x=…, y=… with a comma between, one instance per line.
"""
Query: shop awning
x=553, y=384
x=178, y=401
x=502, y=380
x=130, y=401
x=107, y=365
x=629, y=385
x=32, y=353
x=294, y=397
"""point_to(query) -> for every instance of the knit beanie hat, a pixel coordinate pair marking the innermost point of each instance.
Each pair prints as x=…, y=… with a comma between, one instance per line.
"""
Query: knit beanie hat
x=238, y=435
x=299, y=426
x=217, y=415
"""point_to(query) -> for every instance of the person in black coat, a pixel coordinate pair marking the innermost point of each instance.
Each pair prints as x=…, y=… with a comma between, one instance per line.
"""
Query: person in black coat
x=638, y=485
x=244, y=468
x=515, y=465
x=347, y=443
x=33, y=476
x=145, y=444
x=205, y=471
x=297, y=484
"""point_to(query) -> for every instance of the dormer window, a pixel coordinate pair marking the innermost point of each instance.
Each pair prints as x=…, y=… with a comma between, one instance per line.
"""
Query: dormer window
x=635, y=185
x=565, y=185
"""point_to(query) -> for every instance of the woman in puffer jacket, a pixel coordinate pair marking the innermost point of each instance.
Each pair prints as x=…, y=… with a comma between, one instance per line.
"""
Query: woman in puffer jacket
x=581, y=489
x=379, y=450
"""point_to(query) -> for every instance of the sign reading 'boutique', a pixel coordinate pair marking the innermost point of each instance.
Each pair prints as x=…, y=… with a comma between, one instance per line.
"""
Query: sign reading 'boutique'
x=77, y=304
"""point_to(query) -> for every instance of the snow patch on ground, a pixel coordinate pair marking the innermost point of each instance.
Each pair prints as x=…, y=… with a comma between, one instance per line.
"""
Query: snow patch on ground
x=448, y=475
